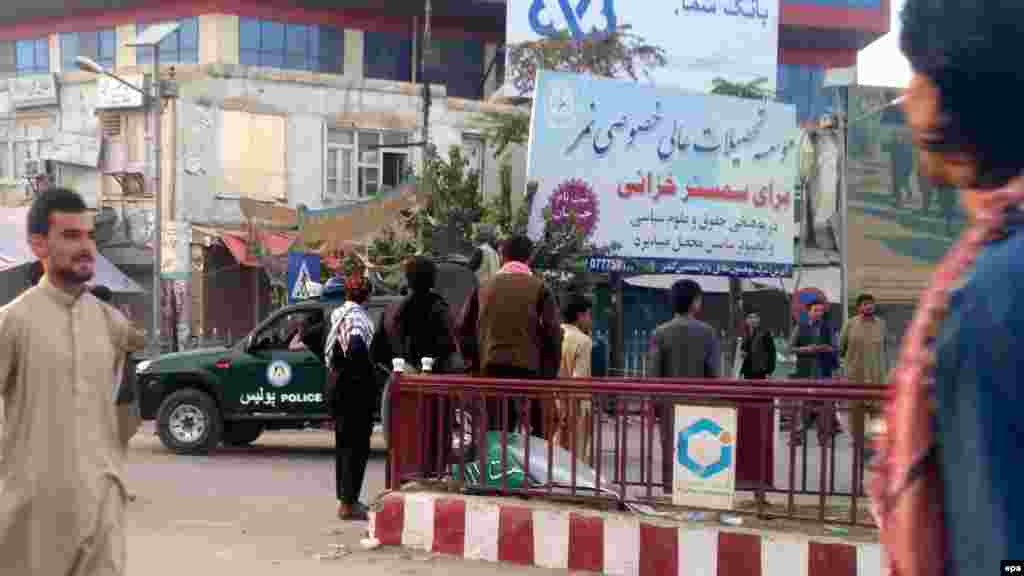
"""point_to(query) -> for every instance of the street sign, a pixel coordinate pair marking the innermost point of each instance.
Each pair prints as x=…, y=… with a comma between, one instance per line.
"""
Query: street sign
x=303, y=275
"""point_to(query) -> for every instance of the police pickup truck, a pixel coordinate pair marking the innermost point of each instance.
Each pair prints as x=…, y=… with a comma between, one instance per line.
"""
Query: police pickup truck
x=201, y=398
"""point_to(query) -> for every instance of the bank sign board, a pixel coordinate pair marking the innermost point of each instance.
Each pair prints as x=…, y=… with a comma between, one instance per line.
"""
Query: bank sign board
x=734, y=39
x=704, y=474
x=667, y=181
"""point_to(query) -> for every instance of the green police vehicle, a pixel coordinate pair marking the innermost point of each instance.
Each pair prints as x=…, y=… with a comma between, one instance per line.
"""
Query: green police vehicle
x=231, y=395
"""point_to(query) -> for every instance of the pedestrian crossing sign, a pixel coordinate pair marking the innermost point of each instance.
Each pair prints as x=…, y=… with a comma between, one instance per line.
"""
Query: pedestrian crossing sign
x=301, y=280
x=301, y=289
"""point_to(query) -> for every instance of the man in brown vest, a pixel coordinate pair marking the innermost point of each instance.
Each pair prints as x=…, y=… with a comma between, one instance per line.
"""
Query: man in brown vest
x=509, y=328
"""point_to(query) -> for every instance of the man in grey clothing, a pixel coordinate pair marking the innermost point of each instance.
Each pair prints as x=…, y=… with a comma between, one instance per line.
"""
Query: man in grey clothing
x=683, y=347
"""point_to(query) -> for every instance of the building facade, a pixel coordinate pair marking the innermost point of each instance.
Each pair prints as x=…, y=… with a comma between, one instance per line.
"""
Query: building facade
x=302, y=103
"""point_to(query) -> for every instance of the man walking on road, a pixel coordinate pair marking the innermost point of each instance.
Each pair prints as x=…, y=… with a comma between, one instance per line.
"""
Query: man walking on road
x=683, y=347
x=62, y=495
x=509, y=328
x=577, y=348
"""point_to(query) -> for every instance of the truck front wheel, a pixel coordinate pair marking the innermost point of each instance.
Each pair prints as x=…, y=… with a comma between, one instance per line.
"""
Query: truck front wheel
x=188, y=422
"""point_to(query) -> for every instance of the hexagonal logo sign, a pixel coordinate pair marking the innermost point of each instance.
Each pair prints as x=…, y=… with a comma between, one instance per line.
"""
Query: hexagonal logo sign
x=705, y=448
x=704, y=471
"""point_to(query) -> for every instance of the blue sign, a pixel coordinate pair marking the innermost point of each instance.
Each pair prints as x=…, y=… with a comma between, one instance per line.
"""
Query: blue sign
x=303, y=270
x=665, y=181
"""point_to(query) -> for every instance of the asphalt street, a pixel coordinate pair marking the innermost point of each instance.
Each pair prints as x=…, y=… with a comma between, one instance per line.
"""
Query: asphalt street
x=263, y=510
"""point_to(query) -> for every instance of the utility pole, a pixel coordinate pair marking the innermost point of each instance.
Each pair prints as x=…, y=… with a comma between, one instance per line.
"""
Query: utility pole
x=156, y=110
x=428, y=150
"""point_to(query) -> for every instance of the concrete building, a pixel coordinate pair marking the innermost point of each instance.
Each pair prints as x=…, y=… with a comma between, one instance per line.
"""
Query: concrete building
x=282, y=103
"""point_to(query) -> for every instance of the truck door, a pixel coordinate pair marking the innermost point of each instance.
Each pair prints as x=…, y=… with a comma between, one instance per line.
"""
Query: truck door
x=279, y=372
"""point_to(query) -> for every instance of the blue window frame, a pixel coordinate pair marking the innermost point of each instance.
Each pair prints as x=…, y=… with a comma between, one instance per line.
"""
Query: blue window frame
x=458, y=64
x=273, y=44
x=387, y=56
x=182, y=47
x=98, y=45
x=32, y=56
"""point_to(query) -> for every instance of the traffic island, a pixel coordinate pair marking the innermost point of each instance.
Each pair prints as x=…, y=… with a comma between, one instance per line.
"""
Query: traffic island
x=553, y=535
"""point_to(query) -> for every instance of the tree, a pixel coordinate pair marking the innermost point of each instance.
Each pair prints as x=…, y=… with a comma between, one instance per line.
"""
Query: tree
x=753, y=90
x=562, y=250
x=619, y=54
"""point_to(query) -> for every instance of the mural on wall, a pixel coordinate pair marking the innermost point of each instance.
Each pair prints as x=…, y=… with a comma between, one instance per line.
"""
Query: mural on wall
x=900, y=223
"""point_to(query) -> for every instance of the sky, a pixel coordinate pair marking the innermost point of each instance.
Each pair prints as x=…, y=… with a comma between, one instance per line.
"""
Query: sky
x=882, y=63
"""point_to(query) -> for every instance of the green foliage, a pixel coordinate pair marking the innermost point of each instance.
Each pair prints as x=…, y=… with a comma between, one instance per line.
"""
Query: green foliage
x=454, y=202
x=753, y=90
x=390, y=248
x=455, y=187
x=503, y=129
x=620, y=54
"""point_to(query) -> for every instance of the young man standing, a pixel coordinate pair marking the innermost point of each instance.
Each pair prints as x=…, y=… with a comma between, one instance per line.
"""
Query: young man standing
x=62, y=495
x=577, y=348
x=862, y=346
x=683, y=347
x=812, y=342
x=758, y=349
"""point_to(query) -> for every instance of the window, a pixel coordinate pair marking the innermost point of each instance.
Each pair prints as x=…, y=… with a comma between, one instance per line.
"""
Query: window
x=254, y=156
x=181, y=47
x=280, y=333
x=100, y=46
x=6, y=173
x=290, y=46
x=387, y=56
x=33, y=56
x=8, y=59
x=457, y=64
x=359, y=164
x=27, y=141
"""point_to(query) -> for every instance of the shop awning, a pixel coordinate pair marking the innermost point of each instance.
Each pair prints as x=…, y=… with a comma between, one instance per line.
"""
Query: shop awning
x=272, y=244
x=341, y=229
x=15, y=252
x=826, y=279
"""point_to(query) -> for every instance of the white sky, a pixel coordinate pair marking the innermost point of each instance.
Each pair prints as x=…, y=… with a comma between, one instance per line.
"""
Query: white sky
x=882, y=63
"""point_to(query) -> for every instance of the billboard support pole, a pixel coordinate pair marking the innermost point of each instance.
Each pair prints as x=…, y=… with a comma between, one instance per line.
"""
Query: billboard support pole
x=844, y=260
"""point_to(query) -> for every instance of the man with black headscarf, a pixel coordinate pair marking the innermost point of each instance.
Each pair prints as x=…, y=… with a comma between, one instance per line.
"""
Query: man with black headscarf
x=420, y=327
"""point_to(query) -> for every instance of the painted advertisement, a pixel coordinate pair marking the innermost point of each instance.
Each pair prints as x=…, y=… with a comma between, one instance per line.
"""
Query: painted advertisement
x=900, y=223
x=703, y=39
x=666, y=181
x=704, y=475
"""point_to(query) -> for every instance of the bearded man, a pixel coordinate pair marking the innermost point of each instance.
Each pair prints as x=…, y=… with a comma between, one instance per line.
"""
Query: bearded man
x=62, y=496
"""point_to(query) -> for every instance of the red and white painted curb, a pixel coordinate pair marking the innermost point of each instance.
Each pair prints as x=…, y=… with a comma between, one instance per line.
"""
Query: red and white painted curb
x=617, y=545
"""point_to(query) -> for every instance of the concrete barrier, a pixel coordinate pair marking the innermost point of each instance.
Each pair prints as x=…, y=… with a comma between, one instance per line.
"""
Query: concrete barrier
x=560, y=537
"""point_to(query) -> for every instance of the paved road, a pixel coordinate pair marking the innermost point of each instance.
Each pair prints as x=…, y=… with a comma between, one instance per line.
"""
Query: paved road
x=265, y=510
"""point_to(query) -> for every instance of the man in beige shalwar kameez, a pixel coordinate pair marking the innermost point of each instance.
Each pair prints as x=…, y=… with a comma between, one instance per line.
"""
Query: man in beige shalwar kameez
x=62, y=496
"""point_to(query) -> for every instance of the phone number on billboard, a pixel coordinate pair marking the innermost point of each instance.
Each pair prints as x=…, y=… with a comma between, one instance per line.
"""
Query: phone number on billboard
x=597, y=264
